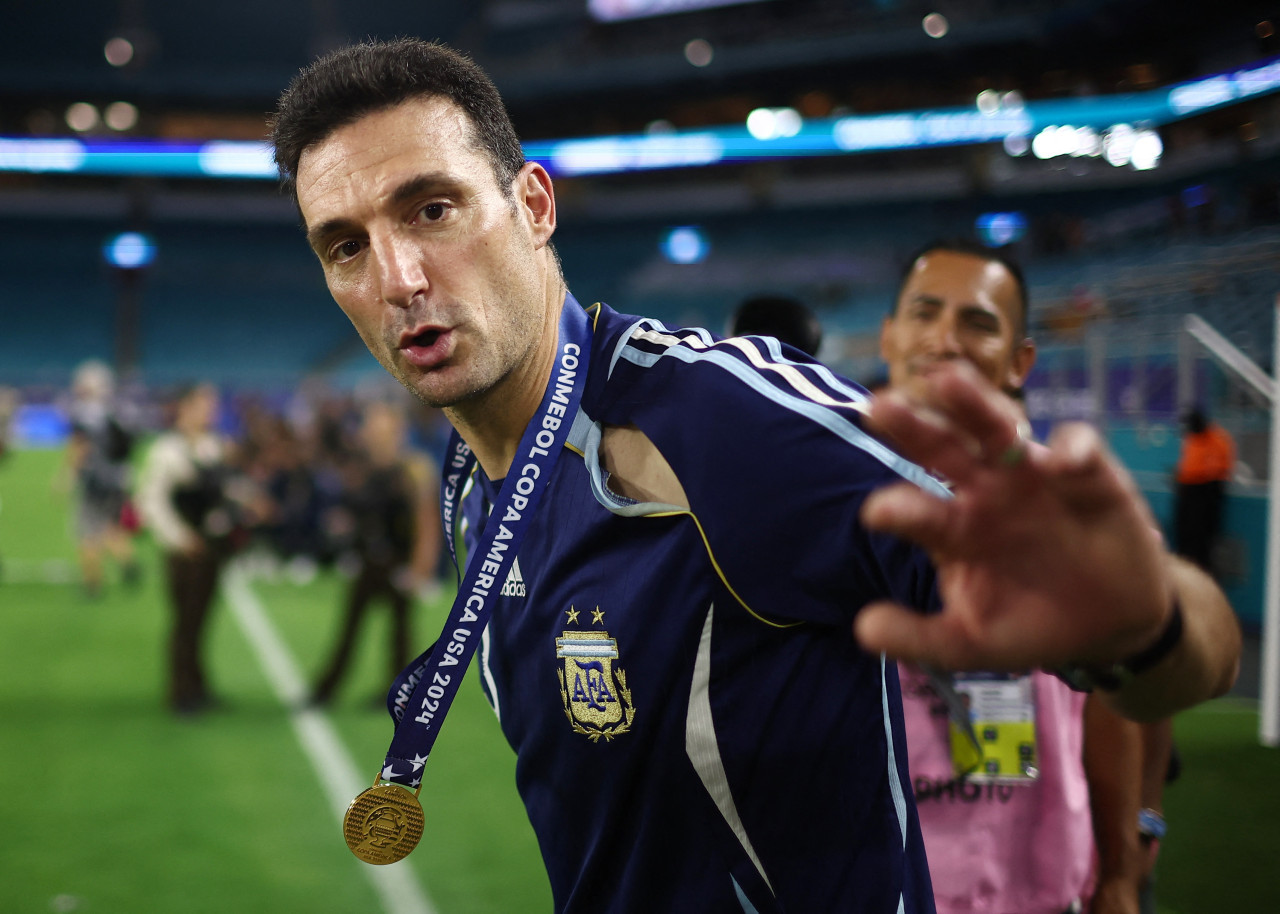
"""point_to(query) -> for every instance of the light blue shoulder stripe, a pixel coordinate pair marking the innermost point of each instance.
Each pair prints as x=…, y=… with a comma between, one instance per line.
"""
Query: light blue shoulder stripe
x=895, y=785
x=822, y=371
x=580, y=431
x=747, y=906
x=585, y=435
x=823, y=415
x=623, y=341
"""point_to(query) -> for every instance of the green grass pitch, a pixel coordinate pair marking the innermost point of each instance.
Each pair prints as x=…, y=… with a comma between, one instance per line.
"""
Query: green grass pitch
x=110, y=804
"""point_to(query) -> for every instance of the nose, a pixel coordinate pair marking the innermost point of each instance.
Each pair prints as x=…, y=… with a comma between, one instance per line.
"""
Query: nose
x=944, y=335
x=401, y=273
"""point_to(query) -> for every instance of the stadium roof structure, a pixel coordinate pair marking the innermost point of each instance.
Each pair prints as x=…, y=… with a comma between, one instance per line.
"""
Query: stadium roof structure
x=213, y=71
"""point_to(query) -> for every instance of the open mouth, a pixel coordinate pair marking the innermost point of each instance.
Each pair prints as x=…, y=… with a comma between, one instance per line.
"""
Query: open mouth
x=426, y=338
x=427, y=348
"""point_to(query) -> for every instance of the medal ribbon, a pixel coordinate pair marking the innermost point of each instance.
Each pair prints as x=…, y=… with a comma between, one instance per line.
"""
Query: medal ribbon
x=421, y=695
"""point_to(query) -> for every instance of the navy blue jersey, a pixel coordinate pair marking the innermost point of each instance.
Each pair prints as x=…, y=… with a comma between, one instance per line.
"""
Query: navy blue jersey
x=695, y=727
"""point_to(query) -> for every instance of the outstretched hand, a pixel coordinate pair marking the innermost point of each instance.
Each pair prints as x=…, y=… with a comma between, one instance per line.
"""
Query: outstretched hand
x=1046, y=555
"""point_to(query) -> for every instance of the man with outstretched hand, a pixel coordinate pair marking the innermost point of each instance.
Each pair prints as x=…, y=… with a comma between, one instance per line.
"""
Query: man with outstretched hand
x=695, y=728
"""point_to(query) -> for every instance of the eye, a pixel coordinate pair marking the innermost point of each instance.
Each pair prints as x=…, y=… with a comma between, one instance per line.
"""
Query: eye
x=984, y=323
x=433, y=212
x=344, y=250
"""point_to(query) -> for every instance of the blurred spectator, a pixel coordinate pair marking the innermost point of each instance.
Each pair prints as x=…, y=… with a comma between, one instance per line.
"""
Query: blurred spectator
x=9, y=402
x=785, y=319
x=1204, y=466
x=198, y=510
x=1069, y=319
x=387, y=521
x=98, y=461
x=288, y=475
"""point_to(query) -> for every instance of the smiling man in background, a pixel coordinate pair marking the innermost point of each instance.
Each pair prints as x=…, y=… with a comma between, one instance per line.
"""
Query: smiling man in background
x=1005, y=836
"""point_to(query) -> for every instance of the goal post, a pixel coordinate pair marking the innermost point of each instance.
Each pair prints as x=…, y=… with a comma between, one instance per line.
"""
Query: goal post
x=1245, y=370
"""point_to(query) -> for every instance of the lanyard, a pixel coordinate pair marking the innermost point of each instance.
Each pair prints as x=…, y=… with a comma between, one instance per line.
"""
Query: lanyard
x=423, y=692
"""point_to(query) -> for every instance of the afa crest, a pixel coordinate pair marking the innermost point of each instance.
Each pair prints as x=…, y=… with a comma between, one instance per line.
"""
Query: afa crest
x=595, y=694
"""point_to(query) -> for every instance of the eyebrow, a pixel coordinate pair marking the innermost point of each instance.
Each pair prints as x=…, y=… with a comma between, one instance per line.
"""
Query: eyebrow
x=406, y=190
x=920, y=298
x=927, y=298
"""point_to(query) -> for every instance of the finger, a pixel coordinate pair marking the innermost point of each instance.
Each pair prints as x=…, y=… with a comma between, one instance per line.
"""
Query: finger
x=911, y=513
x=925, y=436
x=941, y=640
x=906, y=635
x=1076, y=449
x=985, y=413
x=1080, y=467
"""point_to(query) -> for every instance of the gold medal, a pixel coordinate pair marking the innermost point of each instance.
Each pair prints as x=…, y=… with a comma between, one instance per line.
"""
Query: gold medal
x=383, y=824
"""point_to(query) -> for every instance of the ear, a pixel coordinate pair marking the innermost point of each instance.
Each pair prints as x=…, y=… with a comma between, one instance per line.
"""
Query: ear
x=1024, y=356
x=537, y=201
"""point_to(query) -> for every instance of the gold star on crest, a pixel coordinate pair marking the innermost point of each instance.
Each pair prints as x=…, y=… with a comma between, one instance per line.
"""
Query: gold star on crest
x=572, y=614
x=597, y=615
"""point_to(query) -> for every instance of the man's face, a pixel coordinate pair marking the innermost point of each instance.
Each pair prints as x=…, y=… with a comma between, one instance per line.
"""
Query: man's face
x=198, y=410
x=444, y=277
x=956, y=306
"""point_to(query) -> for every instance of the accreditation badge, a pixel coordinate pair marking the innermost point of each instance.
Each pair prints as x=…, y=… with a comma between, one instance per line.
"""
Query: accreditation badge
x=1000, y=746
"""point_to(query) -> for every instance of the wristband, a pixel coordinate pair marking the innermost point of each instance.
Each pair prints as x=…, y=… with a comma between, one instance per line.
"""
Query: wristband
x=1113, y=677
x=1151, y=824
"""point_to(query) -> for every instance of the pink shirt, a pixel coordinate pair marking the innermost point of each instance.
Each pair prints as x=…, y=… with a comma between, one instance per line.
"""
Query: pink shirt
x=1000, y=848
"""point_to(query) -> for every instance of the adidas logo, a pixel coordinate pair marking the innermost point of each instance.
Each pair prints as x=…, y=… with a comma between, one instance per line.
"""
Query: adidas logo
x=514, y=585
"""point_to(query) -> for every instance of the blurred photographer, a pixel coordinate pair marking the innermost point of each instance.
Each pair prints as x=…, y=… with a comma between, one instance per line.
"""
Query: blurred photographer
x=197, y=509
x=98, y=454
x=385, y=527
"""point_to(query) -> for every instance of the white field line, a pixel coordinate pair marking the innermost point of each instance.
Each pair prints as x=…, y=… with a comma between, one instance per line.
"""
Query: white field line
x=396, y=884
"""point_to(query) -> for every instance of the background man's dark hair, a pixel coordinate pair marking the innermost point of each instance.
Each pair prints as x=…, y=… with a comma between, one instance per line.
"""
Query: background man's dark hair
x=972, y=249
x=785, y=319
x=345, y=85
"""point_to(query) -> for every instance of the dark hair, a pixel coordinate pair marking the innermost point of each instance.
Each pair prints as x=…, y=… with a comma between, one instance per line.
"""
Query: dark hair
x=345, y=85
x=786, y=319
x=1195, y=420
x=971, y=249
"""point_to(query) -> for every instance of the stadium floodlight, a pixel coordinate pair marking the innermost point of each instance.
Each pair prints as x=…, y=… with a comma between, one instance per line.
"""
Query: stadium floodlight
x=699, y=52
x=1117, y=144
x=82, y=116
x=1147, y=150
x=237, y=159
x=622, y=10
x=935, y=25
x=118, y=51
x=1017, y=144
x=1045, y=143
x=130, y=251
x=787, y=121
x=760, y=123
x=998, y=229
x=120, y=116
x=685, y=244
x=1088, y=143
x=774, y=123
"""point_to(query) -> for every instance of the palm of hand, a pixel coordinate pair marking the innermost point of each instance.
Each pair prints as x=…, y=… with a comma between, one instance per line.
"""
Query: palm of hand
x=1047, y=558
